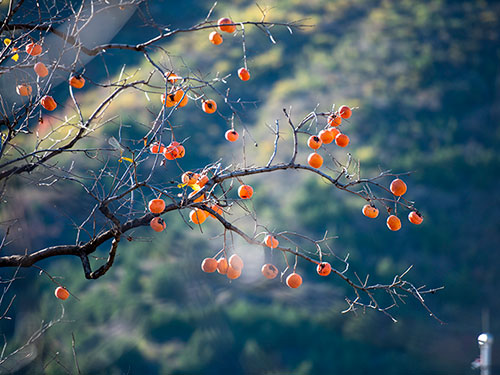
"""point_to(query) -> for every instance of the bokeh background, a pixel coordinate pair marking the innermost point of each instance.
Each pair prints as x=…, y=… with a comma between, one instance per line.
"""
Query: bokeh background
x=425, y=76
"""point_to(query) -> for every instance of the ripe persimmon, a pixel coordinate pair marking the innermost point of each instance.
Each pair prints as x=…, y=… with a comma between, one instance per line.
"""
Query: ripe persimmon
x=225, y=25
x=342, y=140
x=197, y=200
x=326, y=136
x=40, y=69
x=184, y=101
x=157, y=148
x=23, y=89
x=315, y=160
x=215, y=38
x=209, y=106
x=236, y=262
x=393, y=223
x=181, y=97
x=217, y=209
x=188, y=178
x=202, y=180
x=209, y=265
x=294, y=280
x=172, y=77
x=345, y=112
x=158, y=224
x=232, y=135
x=168, y=154
x=314, y=142
x=269, y=271
x=271, y=241
x=398, y=187
x=334, y=132
x=174, y=151
x=245, y=192
x=61, y=293
x=324, y=269
x=77, y=81
x=170, y=102
x=180, y=152
x=233, y=273
x=48, y=103
x=334, y=120
x=156, y=206
x=243, y=74
x=222, y=266
x=198, y=216
x=33, y=49
x=370, y=211
x=415, y=218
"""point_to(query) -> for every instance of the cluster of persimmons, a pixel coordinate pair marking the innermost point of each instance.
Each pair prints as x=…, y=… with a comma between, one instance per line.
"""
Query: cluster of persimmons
x=24, y=89
x=328, y=135
x=232, y=268
x=398, y=188
x=177, y=97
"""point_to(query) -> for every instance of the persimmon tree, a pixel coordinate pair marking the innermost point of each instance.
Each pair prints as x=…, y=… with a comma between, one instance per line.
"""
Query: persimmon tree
x=46, y=48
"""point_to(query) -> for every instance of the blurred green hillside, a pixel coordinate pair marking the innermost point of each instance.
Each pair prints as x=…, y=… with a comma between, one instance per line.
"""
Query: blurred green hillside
x=426, y=78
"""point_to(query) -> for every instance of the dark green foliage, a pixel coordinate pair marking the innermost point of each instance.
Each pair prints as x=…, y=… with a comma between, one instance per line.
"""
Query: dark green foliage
x=425, y=76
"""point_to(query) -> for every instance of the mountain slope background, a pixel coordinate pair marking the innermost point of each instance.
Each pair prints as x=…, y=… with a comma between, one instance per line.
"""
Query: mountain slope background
x=426, y=79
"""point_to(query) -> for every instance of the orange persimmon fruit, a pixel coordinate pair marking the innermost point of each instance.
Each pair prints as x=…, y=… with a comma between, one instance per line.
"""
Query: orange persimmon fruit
x=158, y=224
x=334, y=132
x=398, y=187
x=245, y=192
x=314, y=142
x=33, y=49
x=48, y=103
x=294, y=280
x=197, y=200
x=222, y=266
x=209, y=265
x=233, y=273
x=315, y=160
x=370, y=211
x=172, y=77
x=23, y=89
x=269, y=271
x=231, y=135
x=197, y=216
x=181, y=97
x=324, y=269
x=156, y=206
x=415, y=218
x=209, y=106
x=157, y=148
x=77, y=81
x=345, y=112
x=243, y=74
x=202, y=180
x=236, y=262
x=170, y=102
x=225, y=25
x=342, y=140
x=61, y=293
x=326, y=136
x=188, y=178
x=215, y=38
x=393, y=223
x=271, y=241
x=217, y=209
x=40, y=69
x=334, y=120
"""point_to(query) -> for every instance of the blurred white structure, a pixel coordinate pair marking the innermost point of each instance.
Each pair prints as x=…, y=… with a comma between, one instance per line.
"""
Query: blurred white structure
x=485, y=341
